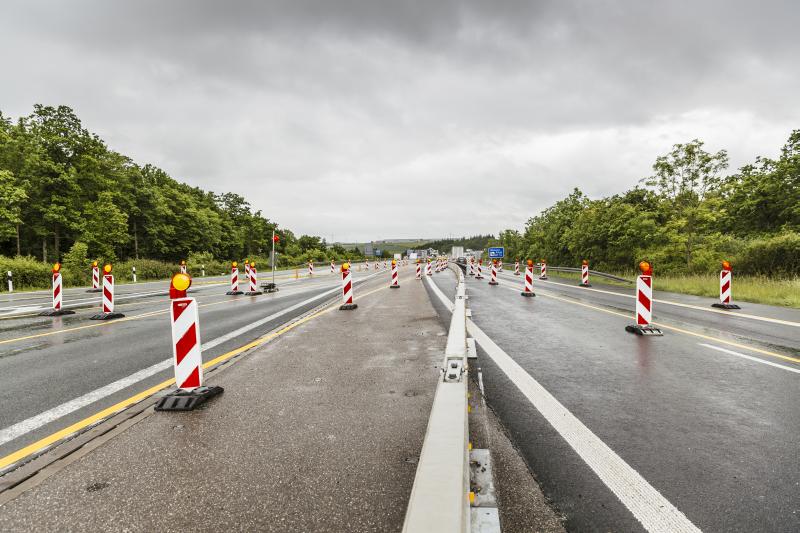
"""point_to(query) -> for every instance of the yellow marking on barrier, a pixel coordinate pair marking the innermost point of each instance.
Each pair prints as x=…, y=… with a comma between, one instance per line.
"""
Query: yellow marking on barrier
x=673, y=328
x=119, y=406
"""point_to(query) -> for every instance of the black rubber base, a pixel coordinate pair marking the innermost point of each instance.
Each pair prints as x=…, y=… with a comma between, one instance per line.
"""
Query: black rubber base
x=725, y=306
x=272, y=290
x=107, y=316
x=348, y=307
x=493, y=283
x=648, y=331
x=53, y=312
x=479, y=277
x=528, y=294
x=540, y=277
x=516, y=273
x=95, y=290
x=234, y=293
x=394, y=286
x=269, y=287
x=253, y=293
x=182, y=400
x=584, y=284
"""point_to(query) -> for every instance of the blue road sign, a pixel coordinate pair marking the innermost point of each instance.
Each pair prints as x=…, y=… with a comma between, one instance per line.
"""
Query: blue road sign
x=377, y=252
x=497, y=253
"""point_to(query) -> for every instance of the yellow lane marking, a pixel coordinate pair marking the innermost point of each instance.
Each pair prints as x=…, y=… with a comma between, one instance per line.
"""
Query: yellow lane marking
x=671, y=328
x=678, y=304
x=119, y=406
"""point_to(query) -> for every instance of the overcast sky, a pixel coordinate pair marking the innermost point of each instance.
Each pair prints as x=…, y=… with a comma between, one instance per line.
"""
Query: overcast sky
x=360, y=120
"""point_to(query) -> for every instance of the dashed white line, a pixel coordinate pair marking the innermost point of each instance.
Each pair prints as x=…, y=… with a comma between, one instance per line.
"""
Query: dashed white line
x=750, y=357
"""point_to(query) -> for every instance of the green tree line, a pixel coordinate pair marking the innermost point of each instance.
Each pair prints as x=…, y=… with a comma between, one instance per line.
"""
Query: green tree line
x=685, y=217
x=61, y=185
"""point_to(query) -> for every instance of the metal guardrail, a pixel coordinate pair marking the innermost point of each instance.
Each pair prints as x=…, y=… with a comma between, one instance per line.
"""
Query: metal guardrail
x=439, y=499
x=592, y=272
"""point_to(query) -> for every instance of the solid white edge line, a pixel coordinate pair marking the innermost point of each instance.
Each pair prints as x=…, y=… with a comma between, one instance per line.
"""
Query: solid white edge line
x=750, y=357
x=25, y=426
x=646, y=504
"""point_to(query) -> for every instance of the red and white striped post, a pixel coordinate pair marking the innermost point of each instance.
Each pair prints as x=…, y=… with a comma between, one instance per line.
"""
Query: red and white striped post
x=644, y=302
x=528, y=288
x=187, y=356
x=95, y=278
x=516, y=267
x=384, y=264
x=428, y=268
x=333, y=267
x=246, y=269
x=479, y=274
x=471, y=265
x=108, y=296
x=585, y=274
x=419, y=270
x=58, y=295
x=347, y=289
x=725, y=289
x=493, y=280
x=500, y=265
x=366, y=264
x=183, y=267
x=253, y=281
x=310, y=268
x=395, y=283
x=543, y=270
x=234, y=280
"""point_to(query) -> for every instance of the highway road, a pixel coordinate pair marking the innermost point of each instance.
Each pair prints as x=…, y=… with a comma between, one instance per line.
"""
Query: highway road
x=695, y=429
x=55, y=371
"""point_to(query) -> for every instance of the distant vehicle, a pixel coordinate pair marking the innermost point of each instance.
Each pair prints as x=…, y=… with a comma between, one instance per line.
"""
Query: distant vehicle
x=457, y=251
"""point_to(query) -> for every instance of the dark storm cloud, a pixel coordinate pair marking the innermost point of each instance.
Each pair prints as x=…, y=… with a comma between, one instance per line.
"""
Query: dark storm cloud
x=379, y=118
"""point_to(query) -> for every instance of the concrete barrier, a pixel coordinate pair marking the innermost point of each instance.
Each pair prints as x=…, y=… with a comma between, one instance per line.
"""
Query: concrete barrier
x=440, y=496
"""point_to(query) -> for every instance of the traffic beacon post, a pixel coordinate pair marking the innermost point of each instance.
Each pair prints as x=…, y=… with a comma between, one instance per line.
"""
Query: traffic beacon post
x=527, y=290
x=271, y=286
x=186, y=352
x=234, y=280
x=95, y=278
x=58, y=295
x=183, y=266
x=584, y=274
x=725, y=281
x=347, y=289
x=394, y=284
x=108, y=296
x=644, y=303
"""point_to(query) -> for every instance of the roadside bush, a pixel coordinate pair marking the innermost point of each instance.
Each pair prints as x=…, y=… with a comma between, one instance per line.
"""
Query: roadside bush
x=778, y=255
x=29, y=272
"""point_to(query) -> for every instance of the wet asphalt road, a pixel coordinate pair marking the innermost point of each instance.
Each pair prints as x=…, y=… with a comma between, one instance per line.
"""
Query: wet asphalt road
x=47, y=361
x=714, y=433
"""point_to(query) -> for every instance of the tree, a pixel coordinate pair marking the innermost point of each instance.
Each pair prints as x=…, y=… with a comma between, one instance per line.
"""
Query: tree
x=11, y=197
x=106, y=227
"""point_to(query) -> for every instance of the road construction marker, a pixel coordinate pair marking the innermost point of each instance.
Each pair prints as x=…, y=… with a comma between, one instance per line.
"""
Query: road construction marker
x=333, y=267
x=347, y=289
x=419, y=270
x=543, y=269
x=584, y=274
x=235, y=279
x=186, y=351
x=428, y=270
x=108, y=296
x=644, y=303
x=493, y=280
x=528, y=289
x=183, y=266
x=500, y=265
x=58, y=295
x=394, y=284
x=479, y=274
x=253, y=281
x=725, y=281
x=95, y=278
x=310, y=268
x=516, y=267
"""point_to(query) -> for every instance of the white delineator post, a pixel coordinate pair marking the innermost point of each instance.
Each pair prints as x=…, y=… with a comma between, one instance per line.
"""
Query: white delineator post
x=528, y=288
x=516, y=268
x=10, y=280
x=347, y=289
x=187, y=357
x=395, y=283
x=644, y=303
x=585, y=274
x=493, y=280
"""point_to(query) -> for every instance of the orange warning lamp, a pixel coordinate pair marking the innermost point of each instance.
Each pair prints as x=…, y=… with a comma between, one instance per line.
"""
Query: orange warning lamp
x=345, y=266
x=183, y=262
x=94, y=263
x=107, y=268
x=726, y=265
x=585, y=262
x=179, y=284
x=246, y=261
x=394, y=262
x=253, y=264
x=56, y=268
x=530, y=262
x=234, y=264
x=543, y=261
x=646, y=268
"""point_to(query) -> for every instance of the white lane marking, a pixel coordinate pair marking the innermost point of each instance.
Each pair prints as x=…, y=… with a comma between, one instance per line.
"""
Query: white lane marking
x=677, y=304
x=646, y=504
x=750, y=357
x=21, y=428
